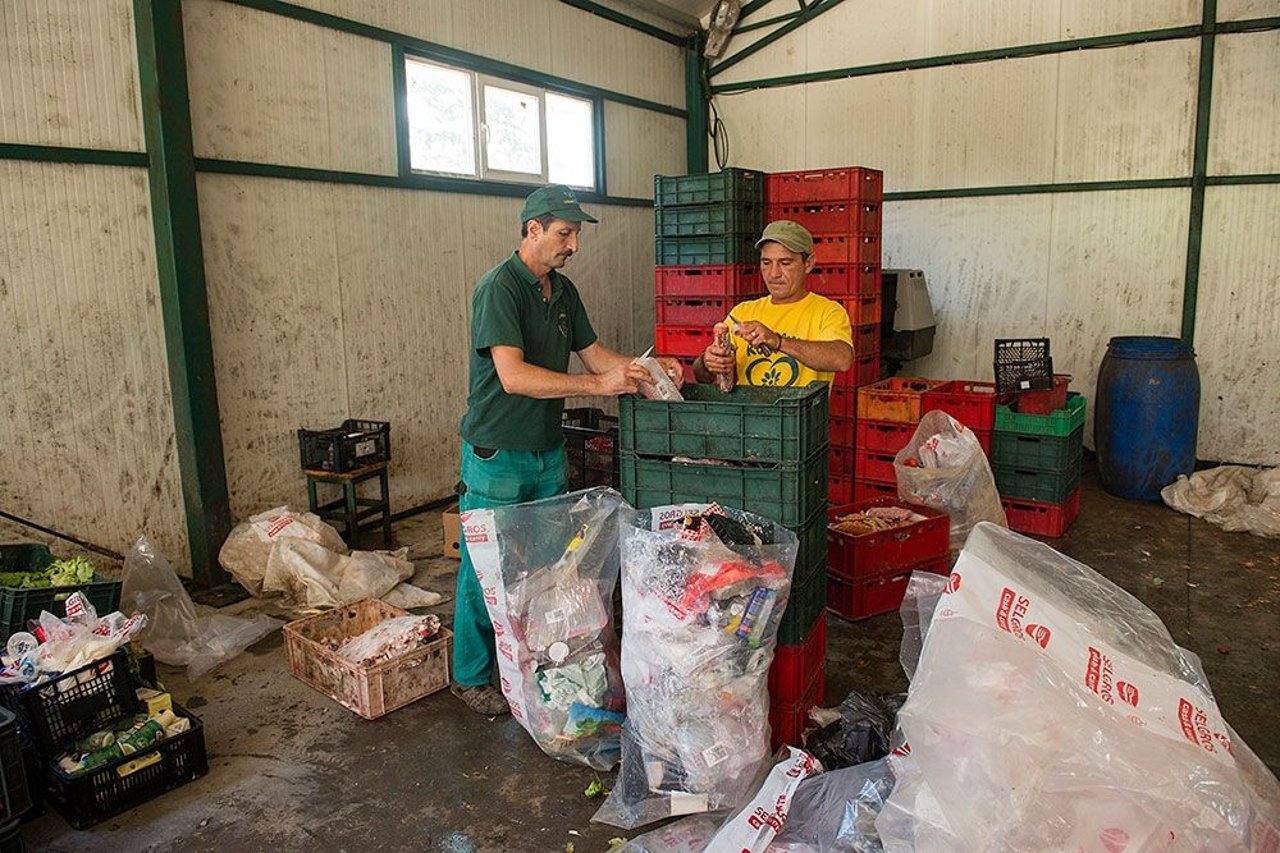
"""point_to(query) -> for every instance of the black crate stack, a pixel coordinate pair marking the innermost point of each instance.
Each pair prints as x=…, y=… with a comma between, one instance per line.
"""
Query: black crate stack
x=706, y=228
x=841, y=208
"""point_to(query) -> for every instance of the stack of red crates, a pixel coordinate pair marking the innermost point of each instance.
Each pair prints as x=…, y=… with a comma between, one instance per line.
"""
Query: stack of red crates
x=690, y=300
x=841, y=208
x=797, y=683
x=868, y=573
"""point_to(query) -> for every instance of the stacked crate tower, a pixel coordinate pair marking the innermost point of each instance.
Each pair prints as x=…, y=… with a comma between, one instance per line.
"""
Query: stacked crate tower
x=1036, y=461
x=706, y=227
x=841, y=208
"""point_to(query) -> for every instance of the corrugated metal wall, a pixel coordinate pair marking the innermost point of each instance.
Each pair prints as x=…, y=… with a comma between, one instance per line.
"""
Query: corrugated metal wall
x=1078, y=267
x=331, y=300
x=87, y=426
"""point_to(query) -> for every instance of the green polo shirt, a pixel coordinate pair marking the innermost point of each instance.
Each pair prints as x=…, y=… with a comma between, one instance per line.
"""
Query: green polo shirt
x=507, y=310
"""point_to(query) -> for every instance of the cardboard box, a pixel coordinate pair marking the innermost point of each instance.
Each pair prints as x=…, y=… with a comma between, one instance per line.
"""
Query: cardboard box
x=452, y=532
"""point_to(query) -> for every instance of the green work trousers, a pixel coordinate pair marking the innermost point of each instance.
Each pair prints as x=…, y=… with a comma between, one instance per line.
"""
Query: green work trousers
x=508, y=477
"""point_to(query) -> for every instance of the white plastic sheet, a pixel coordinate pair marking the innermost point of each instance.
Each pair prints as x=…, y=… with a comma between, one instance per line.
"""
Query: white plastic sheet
x=244, y=553
x=1050, y=710
x=1232, y=497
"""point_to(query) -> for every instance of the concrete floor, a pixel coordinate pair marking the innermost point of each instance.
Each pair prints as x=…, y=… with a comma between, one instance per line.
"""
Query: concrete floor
x=292, y=770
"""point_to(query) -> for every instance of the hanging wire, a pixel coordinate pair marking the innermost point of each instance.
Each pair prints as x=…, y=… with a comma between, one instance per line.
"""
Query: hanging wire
x=715, y=129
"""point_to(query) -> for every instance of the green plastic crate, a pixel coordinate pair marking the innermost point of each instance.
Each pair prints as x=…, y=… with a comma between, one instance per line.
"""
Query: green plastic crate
x=1061, y=423
x=726, y=217
x=813, y=540
x=747, y=424
x=24, y=557
x=736, y=185
x=807, y=602
x=1030, y=484
x=17, y=606
x=706, y=251
x=787, y=493
x=1041, y=452
x=13, y=774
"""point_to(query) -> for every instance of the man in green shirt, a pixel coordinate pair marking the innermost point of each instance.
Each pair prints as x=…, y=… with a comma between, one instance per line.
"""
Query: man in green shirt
x=526, y=318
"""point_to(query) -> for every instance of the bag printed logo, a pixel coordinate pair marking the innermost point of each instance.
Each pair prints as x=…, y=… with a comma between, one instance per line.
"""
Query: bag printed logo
x=1009, y=615
x=1195, y=728
x=474, y=534
x=953, y=583
x=1127, y=693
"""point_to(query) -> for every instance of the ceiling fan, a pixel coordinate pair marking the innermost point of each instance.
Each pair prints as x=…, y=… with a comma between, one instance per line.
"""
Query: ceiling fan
x=723, y=18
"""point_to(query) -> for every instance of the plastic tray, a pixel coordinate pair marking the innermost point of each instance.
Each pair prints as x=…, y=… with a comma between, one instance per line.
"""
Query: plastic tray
x=591, y=448
x=1063, y=422
x=1042, y=519
x=874, y=554
x=747, y=424
x=1044, y=402
x=731, y=185
x=855, y=249
x=971, y=403
x=897, y=399
x=19, y=606
x=813, y=541
x=862, y=599
x=355, y=444
x=865, y=371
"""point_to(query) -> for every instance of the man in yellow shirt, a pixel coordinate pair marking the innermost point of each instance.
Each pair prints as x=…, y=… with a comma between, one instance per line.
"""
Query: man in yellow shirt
x=793, y=337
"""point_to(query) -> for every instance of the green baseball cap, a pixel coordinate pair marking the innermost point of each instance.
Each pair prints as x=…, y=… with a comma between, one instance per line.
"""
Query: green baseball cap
x=559, y=201
x=793, y=235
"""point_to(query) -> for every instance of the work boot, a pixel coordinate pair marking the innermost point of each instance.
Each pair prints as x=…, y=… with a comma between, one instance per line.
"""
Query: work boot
x=481, y=698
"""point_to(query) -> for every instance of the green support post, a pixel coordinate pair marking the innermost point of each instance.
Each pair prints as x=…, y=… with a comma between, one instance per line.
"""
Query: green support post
x=695, y=107
x=175, y=215
x=1199, y=169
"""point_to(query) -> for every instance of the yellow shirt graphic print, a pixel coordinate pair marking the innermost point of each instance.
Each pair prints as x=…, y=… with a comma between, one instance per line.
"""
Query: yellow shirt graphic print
x=813, y=318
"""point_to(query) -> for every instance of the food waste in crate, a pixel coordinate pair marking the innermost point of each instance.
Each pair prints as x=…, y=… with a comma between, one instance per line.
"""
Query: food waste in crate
x=388, y=640
x=704, y=590
x=875, y=519
x=128, y=736
x=54, y=646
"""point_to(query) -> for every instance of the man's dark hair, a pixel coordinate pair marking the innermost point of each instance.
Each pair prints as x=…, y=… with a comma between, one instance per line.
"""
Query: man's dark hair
x=544, y=220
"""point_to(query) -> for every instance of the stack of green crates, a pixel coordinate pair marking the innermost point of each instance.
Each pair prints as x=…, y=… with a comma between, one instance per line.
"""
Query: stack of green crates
x=1038, y=457
x=774, y=441
x=708, y=220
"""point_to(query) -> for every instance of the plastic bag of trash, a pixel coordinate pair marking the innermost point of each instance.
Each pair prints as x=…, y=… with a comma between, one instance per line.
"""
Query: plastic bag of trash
x=918, y=603
x=703, y=593
x=548, y=571
x=1051, y=710
x=244, y=554
x=177, y=633
x=1233, y=497
x=310, y=575
x=863, y=733
x=943, y=466
x=837, y=810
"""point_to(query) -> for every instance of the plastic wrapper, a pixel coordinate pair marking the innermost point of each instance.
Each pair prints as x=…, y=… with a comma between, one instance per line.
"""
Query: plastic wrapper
x=724, y=340
x=836, y=811
x=702, y=603
x=245, y=551
x=548, y=571
x=1232, y=497
x=390, y=639
x=943, y=466
x=663, y=386
x=176, y=632
x=1051, y=710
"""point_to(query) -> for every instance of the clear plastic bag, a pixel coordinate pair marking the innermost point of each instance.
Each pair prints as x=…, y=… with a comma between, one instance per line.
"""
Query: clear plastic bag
x=1051, y=710
x=390, y=639
x=944, y=467
x=175, y=633
x=548, y=570
x=700, y=626
x=837, y=810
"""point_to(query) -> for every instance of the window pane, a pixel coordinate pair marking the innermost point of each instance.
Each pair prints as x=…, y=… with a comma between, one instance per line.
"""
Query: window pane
x=441, y=119
x=513, y=141
x=570, y=142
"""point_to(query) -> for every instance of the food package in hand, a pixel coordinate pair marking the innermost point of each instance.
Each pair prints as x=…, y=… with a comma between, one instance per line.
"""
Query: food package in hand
x=663, y=386
x=724, y=340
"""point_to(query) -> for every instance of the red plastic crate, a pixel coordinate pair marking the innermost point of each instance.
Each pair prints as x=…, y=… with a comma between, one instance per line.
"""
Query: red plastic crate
x=1042, y=519
x=984, y=439
x=1043, y=402
x=839, y=184
x=842, y=432
x=864, y=490
x=875, y=554
x=795, y=668
x=862, y=310
x=844, y=280
x=788, y=720
x=866, y=339
x=874, y=465
x=971, y=403
x=732, y=281
x=862, y=599
x=843, y=401
x=865, y=370
x=840, y=461
x=839, y=490
x=858, y=249
x=883, y=436
x=831, y=217
x=895, y=399
x=682, y=341
x=692, y=312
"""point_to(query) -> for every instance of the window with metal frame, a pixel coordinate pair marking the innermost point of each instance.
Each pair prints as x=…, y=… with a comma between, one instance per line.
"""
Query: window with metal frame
x=465, y=124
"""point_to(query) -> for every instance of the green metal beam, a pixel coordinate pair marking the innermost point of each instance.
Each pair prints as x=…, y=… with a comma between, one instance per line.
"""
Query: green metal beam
x=808, y=14
x=1040, y=189
x=626, y=21
x=752, y=7
x=175, y=215
x=412, y=181
x=55, y=154
x=1199, y=170
x=767, y=22
x=696, y=107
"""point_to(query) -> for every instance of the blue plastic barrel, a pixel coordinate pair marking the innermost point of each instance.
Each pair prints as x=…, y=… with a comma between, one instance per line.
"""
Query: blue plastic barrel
x=1146, y=415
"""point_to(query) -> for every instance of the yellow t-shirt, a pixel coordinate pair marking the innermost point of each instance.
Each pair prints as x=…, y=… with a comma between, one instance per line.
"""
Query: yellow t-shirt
x=813, y=318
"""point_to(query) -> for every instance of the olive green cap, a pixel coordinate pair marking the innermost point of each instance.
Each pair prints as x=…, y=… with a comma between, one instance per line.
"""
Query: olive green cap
x=793, y=235
x=559, y=201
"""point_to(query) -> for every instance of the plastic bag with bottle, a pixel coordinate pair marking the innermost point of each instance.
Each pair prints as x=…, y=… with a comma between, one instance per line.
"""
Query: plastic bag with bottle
x=703, y=593
x=548, y=571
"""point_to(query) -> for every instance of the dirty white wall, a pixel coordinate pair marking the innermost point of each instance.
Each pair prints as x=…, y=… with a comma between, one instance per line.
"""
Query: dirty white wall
x=1077, y=267
x=86, y=423
x=332, y=300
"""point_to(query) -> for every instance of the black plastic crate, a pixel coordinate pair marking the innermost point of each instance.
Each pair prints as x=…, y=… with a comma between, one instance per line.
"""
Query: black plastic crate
x=59, y=712
x=13, y=775
x=591, y=448
x=19, y=606
x=1022, y=364
x=103, y=792
x=24, y=557
x=11, y=837
x=355, y=444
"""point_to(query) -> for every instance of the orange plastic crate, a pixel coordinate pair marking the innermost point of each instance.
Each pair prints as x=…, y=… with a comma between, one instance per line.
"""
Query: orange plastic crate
x=896, y=399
